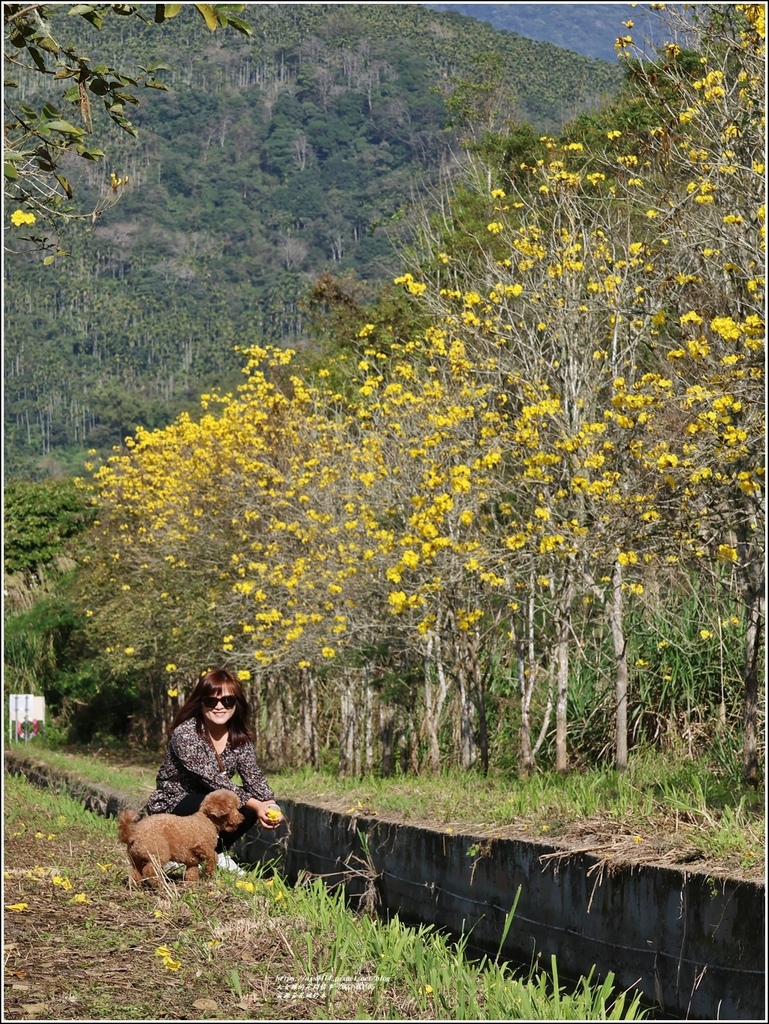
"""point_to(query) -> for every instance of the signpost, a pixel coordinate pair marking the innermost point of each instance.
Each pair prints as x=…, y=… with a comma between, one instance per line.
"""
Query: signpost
x=26, y=716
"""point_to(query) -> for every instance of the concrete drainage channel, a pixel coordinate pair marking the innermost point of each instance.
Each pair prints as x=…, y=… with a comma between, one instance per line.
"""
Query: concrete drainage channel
x=694, y=945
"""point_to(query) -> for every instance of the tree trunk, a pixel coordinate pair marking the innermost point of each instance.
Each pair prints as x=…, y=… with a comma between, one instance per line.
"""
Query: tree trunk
x=347, y=726
x=754, y=629
x=562, y=630
x=526, y=679
x=309, y=704
x=386, y=737
x=434, y=701
x=480, y=701
x=273, y=733
x=468, y=753
x=620, y=669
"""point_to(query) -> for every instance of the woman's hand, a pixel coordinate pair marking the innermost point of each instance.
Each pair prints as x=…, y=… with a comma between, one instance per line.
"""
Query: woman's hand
x=264, y=817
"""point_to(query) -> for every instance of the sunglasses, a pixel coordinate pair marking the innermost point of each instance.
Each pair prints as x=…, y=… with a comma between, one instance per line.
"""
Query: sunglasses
x=226, y=702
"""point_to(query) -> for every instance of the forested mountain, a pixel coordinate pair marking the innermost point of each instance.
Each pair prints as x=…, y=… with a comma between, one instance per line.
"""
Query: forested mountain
x=589, y=29
x=269, y=161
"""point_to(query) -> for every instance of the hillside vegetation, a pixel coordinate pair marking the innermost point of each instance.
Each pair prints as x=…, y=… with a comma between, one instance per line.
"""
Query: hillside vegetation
x=269, y=161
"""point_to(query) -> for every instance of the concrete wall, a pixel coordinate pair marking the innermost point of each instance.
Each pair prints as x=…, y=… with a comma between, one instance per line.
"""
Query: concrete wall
x=694, y=946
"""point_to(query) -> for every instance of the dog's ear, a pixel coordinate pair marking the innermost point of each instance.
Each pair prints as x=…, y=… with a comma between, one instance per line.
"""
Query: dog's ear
x=220, y=805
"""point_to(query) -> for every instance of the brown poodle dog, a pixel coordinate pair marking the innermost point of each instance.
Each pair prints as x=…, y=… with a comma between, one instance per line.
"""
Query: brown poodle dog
x=189, y=840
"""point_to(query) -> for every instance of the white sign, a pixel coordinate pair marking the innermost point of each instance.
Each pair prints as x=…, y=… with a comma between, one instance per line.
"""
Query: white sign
x=26, y=715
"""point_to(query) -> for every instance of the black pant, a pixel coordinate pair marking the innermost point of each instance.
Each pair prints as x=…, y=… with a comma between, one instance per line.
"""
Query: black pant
x=191, y=803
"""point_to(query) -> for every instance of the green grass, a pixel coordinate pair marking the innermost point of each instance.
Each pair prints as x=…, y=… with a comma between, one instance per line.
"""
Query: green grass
x=114, y=767
x=666, y=802
x=81, y=943
x=668, y=809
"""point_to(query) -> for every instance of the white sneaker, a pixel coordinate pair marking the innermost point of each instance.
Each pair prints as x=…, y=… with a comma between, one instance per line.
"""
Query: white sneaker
x=226, y=863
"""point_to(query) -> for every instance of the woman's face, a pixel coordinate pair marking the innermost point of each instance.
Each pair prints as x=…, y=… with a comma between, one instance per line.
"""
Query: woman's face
x=219, y=715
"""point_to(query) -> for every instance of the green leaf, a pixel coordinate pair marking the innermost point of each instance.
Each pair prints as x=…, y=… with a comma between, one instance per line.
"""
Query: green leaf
x=37, y=57
x=49, y=44
x=87, y=11
x=91, y=153
x=126, y=97
x=240, y=25
x=125, y=124
x=10, y=172
x=57, y=125
x=165, y=11
x=65, y=185
x=208, y=14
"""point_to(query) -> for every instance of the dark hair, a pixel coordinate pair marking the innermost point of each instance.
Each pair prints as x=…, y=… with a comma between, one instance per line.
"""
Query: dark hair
x=212, y=683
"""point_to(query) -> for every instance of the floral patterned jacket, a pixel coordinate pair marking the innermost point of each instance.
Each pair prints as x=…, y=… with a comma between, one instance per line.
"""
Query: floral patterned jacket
x=191, y=766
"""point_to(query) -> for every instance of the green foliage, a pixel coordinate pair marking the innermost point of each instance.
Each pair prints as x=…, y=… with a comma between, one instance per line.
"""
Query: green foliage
x=39, y=138
x=267, y=163
x=40, y=646
x=41, y=520
x=46, y=651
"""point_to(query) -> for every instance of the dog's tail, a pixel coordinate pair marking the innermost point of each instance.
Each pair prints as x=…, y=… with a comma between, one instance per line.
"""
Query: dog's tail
x=125, y=825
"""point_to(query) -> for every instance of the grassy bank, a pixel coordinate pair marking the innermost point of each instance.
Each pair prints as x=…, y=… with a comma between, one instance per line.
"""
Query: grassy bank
x=662, y=810
x=81, y=944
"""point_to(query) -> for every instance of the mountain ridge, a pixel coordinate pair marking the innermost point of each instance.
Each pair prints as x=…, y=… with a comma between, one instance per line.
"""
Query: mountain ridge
x=589, y=29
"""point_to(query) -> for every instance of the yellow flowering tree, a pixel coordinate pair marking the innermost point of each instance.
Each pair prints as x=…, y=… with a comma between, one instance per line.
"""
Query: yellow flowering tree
x=577, y=432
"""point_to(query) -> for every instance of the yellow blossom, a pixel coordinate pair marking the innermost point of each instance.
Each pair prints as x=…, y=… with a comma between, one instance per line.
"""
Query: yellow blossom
x=19, y=217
